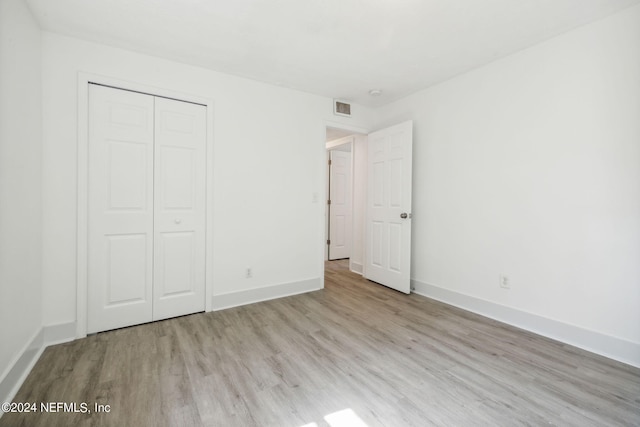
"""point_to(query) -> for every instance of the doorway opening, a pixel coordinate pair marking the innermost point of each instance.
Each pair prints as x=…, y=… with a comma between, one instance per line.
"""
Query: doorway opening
x=381, y=171
x=345, y=197
x=339, y=200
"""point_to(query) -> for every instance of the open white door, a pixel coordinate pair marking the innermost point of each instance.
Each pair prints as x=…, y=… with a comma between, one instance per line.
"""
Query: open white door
x=340, y=207
x=388, y=213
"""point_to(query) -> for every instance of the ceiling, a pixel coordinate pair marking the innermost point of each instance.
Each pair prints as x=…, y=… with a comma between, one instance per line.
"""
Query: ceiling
x=335, y=48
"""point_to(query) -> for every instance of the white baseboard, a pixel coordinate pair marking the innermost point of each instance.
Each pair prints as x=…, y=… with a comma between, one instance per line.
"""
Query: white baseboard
x=250, y=296
x=356, y=267
x=19, y=370
x=22, y=365
x=605, y=345
x=60, y=333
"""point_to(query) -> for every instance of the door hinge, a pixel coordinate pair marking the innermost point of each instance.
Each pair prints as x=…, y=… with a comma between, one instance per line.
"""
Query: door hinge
x=328, y=242
x=328, y=202
x=329, y=162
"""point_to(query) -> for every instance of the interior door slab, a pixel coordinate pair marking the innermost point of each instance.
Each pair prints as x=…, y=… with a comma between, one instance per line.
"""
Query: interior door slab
x=120, y=246
x=388, y=213
x=179, y=214
x=340, y=217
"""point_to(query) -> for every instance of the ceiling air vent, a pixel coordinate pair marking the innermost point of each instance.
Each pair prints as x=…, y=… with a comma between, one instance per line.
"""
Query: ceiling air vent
x=341, y=108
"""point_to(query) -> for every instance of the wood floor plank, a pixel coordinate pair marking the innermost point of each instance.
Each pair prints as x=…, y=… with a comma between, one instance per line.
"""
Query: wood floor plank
x=353, y=348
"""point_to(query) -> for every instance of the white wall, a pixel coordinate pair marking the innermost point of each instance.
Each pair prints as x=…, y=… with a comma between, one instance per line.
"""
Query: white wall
x=20, y=183
x=269, y=160
x=530, y=166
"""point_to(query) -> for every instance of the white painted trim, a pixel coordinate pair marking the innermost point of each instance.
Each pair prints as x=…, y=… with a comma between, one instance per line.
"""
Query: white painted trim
x=353, y=197
x=356, y=267
x=343, y=126
x=250, y=296
x=322, y=193
x=340, y=141
x=209, y=209
x=17, y=372
x=82, y=201
x=60, y=333
x=82, y=198
x=605, y=345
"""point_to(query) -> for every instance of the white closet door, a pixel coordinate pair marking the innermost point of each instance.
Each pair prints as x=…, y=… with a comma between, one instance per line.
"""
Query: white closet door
x=120, y=247
x=180, y=178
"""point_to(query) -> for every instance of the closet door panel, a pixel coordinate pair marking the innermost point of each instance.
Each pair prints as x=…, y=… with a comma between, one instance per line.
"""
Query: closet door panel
x=179, y=208
x=120, y=244
x=176, y=256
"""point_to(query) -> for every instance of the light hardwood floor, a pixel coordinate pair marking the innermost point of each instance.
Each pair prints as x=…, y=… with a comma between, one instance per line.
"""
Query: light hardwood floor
x=387, y=358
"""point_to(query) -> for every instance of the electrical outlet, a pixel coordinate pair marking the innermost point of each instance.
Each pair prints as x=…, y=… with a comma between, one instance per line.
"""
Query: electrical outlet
x=504, y=281
x=249, y=273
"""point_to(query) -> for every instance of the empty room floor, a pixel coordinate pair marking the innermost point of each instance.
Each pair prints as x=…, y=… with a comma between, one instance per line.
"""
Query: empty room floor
x=353, y=354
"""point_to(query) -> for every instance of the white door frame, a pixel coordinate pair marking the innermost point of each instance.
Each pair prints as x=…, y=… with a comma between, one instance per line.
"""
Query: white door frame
x=84, y=79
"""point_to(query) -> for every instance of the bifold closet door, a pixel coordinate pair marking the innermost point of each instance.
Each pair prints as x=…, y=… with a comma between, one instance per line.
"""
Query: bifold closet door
x=179, y=230
x=146, y=248
x=120, y=252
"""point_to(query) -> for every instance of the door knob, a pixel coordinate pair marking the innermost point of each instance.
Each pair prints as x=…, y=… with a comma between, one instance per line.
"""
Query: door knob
x=403, y=215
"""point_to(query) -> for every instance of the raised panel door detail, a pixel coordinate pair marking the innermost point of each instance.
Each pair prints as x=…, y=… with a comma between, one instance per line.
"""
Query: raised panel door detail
x=338, y=228
x=177, y=122
x=176, y=256
x=128, y=115
x=126, y=280
x=178, y=177
x=338, y=197
x=395, y=183
x=395, y=247
x=127, y=175
x=377, y=238
x=378, y=184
